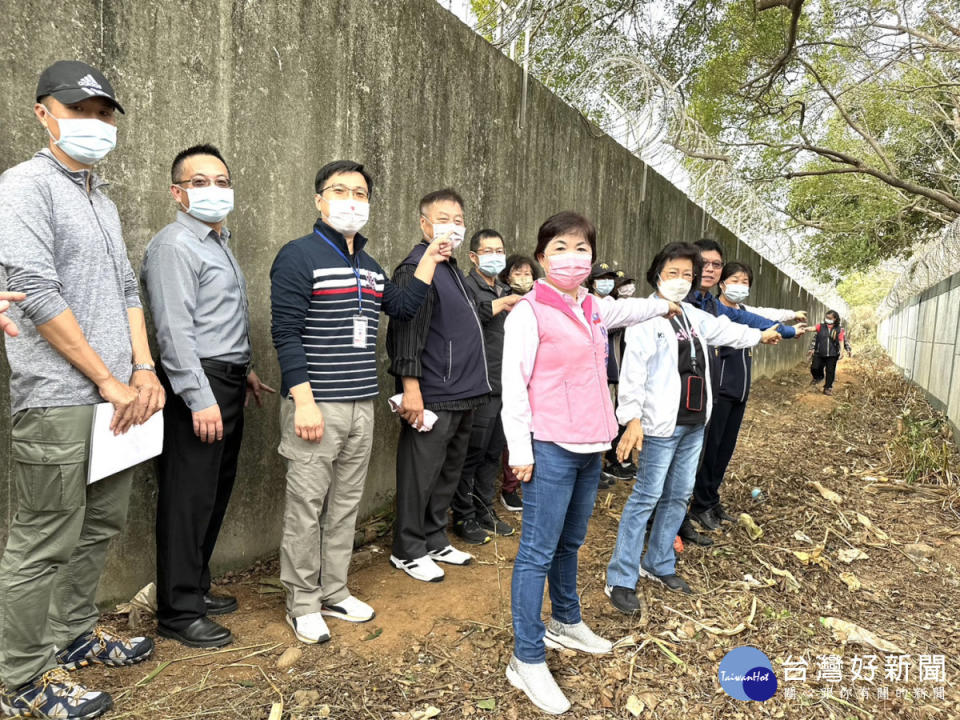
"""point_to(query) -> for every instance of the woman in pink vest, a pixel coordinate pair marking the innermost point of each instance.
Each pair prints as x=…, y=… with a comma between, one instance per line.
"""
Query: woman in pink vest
x=558, y=420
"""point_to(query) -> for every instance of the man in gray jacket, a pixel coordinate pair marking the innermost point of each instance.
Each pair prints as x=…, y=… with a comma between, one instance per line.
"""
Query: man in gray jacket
x=82, y=340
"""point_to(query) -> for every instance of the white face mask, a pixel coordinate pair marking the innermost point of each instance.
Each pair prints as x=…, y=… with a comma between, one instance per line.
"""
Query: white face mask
x=627, y=290
x=210, y=204
x=737, y=293
x=675, y=289
x=457, y=232
x=86, y=140
x=347, y=217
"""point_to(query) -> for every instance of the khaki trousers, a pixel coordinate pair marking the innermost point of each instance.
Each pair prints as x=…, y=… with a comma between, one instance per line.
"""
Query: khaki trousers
x=324, y=487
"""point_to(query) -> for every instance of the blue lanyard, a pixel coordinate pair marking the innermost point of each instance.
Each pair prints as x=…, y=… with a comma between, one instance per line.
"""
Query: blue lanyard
x=356, y=272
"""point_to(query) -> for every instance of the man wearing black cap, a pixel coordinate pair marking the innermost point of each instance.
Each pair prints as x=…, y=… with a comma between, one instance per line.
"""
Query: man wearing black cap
x=82, y=340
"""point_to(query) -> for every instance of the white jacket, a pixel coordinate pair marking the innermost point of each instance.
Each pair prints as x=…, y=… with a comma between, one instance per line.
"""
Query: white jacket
x=649, y=380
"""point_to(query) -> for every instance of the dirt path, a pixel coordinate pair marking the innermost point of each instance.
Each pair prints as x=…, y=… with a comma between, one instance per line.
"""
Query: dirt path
x=445, y=645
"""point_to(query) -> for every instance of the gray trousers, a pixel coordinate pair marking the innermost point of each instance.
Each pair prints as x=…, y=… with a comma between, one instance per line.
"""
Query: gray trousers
x=58, y=539
x=324, y=486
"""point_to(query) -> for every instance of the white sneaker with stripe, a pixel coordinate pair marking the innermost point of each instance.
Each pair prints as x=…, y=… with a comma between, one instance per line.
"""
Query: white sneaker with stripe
x=421, y=568
x=451, y=556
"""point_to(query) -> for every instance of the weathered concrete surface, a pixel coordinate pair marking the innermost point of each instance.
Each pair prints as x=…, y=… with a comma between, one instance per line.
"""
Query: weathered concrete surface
x=283, y=87
x=923, y=338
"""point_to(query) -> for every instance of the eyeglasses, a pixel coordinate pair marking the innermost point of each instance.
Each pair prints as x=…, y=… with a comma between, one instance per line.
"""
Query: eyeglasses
x=342, y=192
x=674, y=274
x=202, y=181
x=713, y=264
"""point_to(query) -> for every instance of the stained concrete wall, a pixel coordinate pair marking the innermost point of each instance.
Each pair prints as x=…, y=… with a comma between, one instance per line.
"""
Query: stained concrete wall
x=923, y=338
x=287, y=85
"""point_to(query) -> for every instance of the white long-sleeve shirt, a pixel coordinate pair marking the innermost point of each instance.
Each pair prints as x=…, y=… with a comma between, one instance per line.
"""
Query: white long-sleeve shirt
x=776, y=314
x=520, y=345
x=649, y=378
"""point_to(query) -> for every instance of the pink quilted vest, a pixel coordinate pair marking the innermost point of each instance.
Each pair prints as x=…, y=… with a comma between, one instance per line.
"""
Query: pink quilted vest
x=568, y=390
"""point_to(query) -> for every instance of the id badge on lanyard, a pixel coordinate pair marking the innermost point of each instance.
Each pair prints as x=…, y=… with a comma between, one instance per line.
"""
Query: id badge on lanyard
x=360, y=331
x=359, y=320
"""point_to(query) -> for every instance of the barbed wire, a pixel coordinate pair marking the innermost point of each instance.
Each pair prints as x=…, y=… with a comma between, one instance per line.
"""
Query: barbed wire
x=662, y=134
x=929, y=263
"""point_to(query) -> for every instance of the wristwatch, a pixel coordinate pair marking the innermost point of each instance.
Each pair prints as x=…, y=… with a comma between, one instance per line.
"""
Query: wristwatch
x=149, y=367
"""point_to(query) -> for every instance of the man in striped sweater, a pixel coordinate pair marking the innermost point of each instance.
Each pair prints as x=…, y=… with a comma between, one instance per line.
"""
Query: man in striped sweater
x=326, y=296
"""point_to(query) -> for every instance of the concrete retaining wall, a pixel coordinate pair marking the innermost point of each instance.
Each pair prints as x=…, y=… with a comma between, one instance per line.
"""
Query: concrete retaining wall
x=923, y=338
x=288, y=85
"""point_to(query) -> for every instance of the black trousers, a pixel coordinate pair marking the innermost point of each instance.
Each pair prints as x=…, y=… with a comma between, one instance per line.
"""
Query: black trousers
x=195, y=481
x=428, y=471
x=823, y=365
x=718, y=447
x=477, y=486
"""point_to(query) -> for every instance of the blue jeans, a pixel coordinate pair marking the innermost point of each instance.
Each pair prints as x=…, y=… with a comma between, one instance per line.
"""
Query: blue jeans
x=557, y=504
x=666, y=471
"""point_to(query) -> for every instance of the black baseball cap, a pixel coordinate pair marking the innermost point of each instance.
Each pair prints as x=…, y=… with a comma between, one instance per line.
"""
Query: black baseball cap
x=71, y=81
x=602, y=269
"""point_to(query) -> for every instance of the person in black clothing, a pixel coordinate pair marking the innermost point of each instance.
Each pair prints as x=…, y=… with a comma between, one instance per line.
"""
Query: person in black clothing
x=731, y=389
x=440, y=366
x=825, y=350
x=520, y=273
x=602, y=282
x=473, y=513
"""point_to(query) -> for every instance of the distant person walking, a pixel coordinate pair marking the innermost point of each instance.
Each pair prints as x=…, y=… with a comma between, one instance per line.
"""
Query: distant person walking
x=825, y=349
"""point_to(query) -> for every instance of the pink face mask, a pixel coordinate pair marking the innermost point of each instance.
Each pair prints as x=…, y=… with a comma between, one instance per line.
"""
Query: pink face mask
x=569, y=270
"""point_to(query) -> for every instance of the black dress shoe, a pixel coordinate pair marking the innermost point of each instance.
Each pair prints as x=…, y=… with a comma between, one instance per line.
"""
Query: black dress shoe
x=201, y=633
x=219, y=604
x=705, y=519
x=690, y=534
x=720, y=513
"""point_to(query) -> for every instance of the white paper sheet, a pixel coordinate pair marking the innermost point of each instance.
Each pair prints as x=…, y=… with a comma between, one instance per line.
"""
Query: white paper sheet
x=109, y=453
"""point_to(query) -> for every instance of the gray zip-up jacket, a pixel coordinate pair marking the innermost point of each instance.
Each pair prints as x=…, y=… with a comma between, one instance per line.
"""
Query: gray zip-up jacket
x=63, y=247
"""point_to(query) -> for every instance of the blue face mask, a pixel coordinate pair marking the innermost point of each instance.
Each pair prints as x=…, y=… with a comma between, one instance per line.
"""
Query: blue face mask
x=211, y=203
x=86, y=140
x=604, y=286
x=492, y=264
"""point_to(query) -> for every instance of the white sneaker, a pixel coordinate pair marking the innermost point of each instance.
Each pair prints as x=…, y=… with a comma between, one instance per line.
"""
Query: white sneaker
x=451, y=556
x=309, y=628
x=350, y=609
x=538, y=684
x=422, y=568
x=575, y=637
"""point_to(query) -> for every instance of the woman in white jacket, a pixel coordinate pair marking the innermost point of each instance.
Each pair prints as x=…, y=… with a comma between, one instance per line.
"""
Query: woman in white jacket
x=665, y=401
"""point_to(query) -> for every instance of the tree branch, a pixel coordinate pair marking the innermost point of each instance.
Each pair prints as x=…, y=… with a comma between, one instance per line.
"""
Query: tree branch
x=780, y=62
x=855, y=126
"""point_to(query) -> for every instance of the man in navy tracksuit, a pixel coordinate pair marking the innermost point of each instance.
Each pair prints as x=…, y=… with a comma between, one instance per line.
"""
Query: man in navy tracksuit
x=712, y=254
x=439, y=361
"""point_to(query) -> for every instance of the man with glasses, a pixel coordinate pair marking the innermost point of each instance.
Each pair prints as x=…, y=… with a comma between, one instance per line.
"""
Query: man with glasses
x=439, y=363
x=472, y=506
x=326, y=296
x=198, y=299
x=711, y=254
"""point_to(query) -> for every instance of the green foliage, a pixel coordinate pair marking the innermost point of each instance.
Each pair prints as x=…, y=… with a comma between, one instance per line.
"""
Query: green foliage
x=851, y=92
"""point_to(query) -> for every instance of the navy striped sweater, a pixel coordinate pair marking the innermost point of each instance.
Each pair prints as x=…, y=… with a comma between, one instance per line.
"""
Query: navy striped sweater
x=313, y=300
